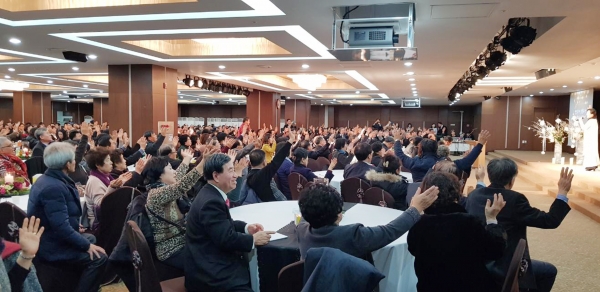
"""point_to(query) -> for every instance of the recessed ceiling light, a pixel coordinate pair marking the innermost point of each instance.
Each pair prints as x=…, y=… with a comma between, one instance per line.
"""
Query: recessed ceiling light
x=531, y=95
x=541, y=92
x=75, y=68
x=414, y=88
x=15, y=41
x=305, y=66
x=411, y=79
x=597, y=77
x=68, y=101
x=50, y=81
x=579, y=81
x=564, y=86
x=221, y=66
x=350, y=104
x=6, y=76
x=101, y=91
x=178, y=91
x=357, y=92
x=410, y=73
x=220, y=91
x=415, y=94
x=372, y=99
x=334, y=99
x=181, y=97
x=551, y=89
x=64, y=91
x=11, y=69
x=92, y=57
x=288, y=97
x=407, y=64
x=412, y=84
x=309, y=92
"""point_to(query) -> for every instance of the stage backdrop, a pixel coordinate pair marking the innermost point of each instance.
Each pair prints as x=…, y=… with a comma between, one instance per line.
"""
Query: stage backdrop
x=579, y=103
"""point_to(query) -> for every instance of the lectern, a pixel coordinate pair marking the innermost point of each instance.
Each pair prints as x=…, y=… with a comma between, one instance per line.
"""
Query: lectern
x=480, y=161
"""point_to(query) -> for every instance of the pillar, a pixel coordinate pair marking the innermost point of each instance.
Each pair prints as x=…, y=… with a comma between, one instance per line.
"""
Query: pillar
x=298, y=110
x=100, y=109
x=261, y=108
x=139, y=97
x=32, y=106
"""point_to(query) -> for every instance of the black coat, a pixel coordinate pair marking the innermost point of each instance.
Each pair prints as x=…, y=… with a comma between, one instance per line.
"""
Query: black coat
x=396, y=185
x=515, y=217
x=358, y=169
x=38, y=150
x=451, y=249
x=215, y=245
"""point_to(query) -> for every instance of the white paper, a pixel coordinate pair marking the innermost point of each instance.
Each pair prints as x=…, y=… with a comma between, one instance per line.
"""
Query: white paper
x=277, y=236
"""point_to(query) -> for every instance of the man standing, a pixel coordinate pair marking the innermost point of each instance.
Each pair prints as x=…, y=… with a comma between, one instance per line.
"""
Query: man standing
x=42, y=135
x=517, y=215
x=215, y=243
x=244, y=127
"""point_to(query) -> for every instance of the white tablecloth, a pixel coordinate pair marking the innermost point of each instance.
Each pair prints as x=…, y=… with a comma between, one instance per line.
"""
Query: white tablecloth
x=21, y=201
x=393, y=260
x=338, y=177
x=459, y=147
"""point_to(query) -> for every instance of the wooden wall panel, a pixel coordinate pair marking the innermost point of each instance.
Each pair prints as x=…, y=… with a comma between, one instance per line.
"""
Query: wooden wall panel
x=317, y=115
x=6, y=109
x=77, y=110
x=101, y=109
x=117, y=111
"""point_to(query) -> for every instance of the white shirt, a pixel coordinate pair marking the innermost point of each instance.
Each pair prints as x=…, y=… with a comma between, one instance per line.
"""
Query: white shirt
x=225, y=199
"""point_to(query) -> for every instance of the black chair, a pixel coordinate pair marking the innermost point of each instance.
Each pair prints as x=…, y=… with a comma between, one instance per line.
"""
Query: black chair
x=291, y=277
x=11, y=219
x=146, y=277
x=113, y=212
x=314, y=165
x=297, y=183
x=378, y=197
x=353, y=189
x=323, y=163
x=35, y=165
x=515, y=269
x=411, y=190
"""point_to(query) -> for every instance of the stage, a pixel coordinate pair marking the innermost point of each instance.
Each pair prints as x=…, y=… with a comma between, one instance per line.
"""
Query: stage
x=538, y=174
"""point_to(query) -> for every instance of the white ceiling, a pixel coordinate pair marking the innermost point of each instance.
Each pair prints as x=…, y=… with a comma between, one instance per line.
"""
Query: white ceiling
x=448, y=38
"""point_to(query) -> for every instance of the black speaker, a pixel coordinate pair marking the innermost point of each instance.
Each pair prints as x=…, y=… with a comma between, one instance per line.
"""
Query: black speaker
x=282, y=97
x=74, y=56
x=72, y=96
x=217, y=102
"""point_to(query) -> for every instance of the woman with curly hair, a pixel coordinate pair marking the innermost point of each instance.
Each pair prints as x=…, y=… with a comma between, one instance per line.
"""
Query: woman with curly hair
x=450, y=246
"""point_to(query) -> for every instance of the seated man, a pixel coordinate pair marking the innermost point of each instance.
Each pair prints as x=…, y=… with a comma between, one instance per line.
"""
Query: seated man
x=363, y=153
x=321, y=207
x=44, y=138
x=517, y=215
x=9, y=162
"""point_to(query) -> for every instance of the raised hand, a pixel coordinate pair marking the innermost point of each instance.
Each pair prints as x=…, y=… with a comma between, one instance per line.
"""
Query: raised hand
x=232, y=154
x=564, y=183
x=125, y=177
x=483, y=137
x=29, y=236
x=163, y=131
x=422, y=201
x=120, y=134
x=480, y=174
x=139, y=165
x=187, y=153
x=333, y=163
x=142, y=142
x=492, y=209
x=117, y=183
x=240, y=165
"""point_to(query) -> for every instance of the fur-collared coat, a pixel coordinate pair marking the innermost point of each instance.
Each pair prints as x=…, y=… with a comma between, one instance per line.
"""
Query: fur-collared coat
x=394, y=184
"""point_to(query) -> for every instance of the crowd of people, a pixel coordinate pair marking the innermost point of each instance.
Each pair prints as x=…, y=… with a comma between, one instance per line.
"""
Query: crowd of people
x=190, y=180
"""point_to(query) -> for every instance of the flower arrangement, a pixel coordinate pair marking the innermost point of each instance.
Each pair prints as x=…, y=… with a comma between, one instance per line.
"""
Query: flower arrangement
x=552, y=133
x=23, y=153
x=18, y=187
x=575, y=132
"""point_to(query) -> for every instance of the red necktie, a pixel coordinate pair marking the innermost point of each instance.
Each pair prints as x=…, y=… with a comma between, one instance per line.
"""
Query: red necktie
x=227, y=203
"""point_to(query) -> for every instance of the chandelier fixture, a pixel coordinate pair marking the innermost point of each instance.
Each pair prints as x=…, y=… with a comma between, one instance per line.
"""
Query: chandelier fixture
x=13, y=86
x=309, y=81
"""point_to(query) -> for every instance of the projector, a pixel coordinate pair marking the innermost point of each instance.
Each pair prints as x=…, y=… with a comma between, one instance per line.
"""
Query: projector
x=382, y=36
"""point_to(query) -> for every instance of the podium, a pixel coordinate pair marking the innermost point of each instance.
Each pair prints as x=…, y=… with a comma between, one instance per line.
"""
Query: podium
x=480, y=161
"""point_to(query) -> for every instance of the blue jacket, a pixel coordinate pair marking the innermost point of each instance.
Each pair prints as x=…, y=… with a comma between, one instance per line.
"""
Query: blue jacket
x=308, y=174
x=282, y=174
x=55, y=200
x=466, y=163
x=418, y=166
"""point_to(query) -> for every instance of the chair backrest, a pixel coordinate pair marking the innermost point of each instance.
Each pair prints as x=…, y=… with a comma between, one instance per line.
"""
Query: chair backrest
x=35, y=165
x=313, y=165
x=323, y=162
x=511, y=282
x=113, y=212
x=251, y=197
x=353, y=189
x=378, y=197
x=11, y=219
x=297, y=183
x=411, y=190
x=146, y=278
x=291, y=277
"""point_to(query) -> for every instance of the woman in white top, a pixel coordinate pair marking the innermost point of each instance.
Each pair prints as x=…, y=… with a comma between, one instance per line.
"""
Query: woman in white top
x=590, y=141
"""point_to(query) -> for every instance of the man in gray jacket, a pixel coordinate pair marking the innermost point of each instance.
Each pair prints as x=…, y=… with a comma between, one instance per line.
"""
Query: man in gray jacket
x=321, y=206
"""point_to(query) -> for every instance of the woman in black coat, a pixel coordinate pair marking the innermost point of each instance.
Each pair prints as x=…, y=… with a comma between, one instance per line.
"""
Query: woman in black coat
x=451, y=248
x=390, y=180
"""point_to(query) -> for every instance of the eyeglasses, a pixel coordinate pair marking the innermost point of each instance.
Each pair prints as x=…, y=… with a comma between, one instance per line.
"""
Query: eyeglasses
x=7, y=146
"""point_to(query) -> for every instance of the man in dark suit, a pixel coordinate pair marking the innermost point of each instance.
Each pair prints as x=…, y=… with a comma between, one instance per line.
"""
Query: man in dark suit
x=321, y=206
x=363, y=153
x=517, y=216
x=44, y=138
x=215, y=243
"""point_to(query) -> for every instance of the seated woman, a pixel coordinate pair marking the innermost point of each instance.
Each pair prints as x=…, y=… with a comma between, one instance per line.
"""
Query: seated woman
x=165, y=187
x=100, y=182
x=339, y=152
x=321, y=207
x=300, y=160
x=9, y=162
x=451, y=248
x=390, y=180
x=185, y=142
x=120, y=168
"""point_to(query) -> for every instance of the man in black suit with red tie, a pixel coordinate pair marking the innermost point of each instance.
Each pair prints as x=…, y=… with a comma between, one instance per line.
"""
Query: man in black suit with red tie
x=215, y=243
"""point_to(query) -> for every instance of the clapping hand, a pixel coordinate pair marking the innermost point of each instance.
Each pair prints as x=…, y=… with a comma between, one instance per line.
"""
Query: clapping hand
x=240, y=165
x=422, y=201
x=480, y=174
x=187, y=153
x=29, y=236
x=141, y=163
x=564, y=183
x=332, y=163
x=492, y=209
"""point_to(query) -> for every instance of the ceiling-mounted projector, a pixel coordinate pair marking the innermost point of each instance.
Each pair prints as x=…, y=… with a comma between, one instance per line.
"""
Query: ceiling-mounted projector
x=378, y=36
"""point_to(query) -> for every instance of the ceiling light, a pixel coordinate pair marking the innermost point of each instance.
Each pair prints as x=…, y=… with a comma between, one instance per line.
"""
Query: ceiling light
x=305, y=66
x=101, y=91
x=220, y=91
x=15, y=41
x=564, y=86
x=414, y=88
x=85, y=85
x=372, y=99
x=531, y=95
x=75, y=68
x=68, y=101
x=288, y=97
x=350, y=104
x=518, y=38
x=412, y=84
x=11, y=69
x=410, y=73
x=181, y=97
x=309, y=92
x=415, y=94
x=551, y=89
x=411, y=79
x=309, y=81
x=495, y=60
x=579, y=81
x=541, y=92
x=597, y=77
x=407, y=64
x=334, y=99
x=221, y=67
x=50, y=81
x=92, y=57
x=6, y=76
x=357, y=92
x=178, y=91
x=64, y=91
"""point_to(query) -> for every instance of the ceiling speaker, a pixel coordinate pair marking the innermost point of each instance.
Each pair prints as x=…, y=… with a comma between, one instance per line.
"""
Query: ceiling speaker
x=74, y=56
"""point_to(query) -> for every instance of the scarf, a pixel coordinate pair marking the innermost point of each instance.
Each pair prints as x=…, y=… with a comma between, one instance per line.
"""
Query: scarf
x=104, y=178
x=12, y=163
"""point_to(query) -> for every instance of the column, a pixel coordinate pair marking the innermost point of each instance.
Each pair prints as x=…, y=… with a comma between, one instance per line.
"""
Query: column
x=298, y=110
x=100, y=109
x=262, y=108
x=139, y=97
x=32, y=106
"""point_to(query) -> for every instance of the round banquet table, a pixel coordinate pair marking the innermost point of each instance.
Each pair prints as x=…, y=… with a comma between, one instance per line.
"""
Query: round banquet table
x=393, y=260
x=338, y=177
